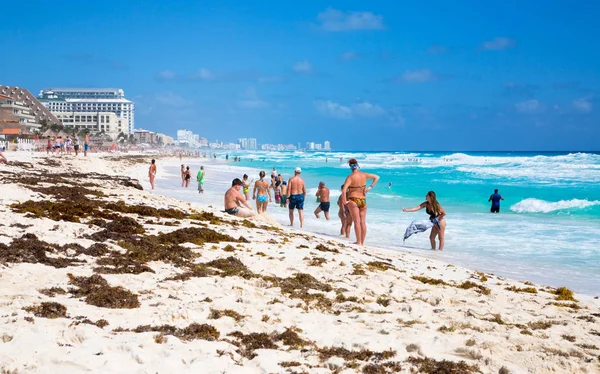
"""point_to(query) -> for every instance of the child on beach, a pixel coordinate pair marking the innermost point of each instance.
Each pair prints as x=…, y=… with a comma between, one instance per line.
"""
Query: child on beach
x=277, y=191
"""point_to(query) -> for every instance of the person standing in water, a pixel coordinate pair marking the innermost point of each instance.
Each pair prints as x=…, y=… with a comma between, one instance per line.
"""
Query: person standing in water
x=246, y=186
x=356, y=199
x=188, y=176
x=324, y=204
x=152, y=173
x=495, y=199
x=296, y=195
x=436, y=216
x=200, y=179
x=264, y=193
x=344, y=215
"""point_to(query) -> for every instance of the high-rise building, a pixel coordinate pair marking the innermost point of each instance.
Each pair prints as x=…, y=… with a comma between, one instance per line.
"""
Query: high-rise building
x=95, y=100
x=106, y=122
x=243, y=142
x=188, y=138
x=39, y=111
x=326, y=145
x=15, y=114
x=247, y=143
x=252, y=144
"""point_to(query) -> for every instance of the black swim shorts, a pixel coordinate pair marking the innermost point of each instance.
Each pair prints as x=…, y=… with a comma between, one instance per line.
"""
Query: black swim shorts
x=325, y=206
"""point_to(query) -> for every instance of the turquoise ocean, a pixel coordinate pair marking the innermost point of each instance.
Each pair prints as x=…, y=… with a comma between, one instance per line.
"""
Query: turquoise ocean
x=548, y=230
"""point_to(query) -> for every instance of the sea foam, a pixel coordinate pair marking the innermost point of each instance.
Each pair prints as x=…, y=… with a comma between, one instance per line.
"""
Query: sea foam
x=533, y=205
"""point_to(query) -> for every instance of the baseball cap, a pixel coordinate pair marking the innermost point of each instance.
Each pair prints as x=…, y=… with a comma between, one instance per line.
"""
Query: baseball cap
x=298, y=170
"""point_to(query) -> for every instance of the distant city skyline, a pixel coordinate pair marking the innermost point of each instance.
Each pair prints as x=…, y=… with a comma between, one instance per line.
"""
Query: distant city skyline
x=365, y=76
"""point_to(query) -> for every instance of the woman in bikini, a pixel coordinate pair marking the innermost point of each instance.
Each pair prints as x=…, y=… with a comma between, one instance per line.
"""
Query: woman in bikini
x=246, y=186
x=187, y=176
x=264, y=194
x=356, y=200
x=182, y=173
x=436, y=215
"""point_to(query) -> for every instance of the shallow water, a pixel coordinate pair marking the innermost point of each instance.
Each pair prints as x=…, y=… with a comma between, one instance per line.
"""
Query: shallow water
x=548, y=230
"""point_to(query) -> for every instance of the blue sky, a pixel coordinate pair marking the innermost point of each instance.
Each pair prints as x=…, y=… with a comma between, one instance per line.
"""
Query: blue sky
x=380, y=75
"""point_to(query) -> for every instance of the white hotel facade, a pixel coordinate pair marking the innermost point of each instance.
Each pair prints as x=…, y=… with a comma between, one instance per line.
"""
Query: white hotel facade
x=96, y=101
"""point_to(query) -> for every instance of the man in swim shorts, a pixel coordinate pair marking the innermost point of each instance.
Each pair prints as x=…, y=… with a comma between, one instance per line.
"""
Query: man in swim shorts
x=200, y=179
x=495, y=199
x=86, y=143
x=296, y=195
x=234, y=201
x=323, y=196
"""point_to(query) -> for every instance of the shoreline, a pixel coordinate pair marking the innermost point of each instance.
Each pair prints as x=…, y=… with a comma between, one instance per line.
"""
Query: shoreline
x=221, y=172
x=280, y=300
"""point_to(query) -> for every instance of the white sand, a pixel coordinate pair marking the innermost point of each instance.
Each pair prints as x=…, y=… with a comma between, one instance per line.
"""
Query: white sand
x=391, y=310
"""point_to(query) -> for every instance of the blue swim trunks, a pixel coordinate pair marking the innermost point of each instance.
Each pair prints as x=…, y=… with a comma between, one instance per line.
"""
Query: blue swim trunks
x=262, y=198
x=296, y=202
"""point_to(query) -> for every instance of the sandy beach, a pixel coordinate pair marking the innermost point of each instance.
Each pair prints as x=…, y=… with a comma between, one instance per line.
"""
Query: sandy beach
x=98, y=274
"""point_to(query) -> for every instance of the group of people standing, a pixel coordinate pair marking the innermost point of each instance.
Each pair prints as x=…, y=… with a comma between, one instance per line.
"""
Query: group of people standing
x=352, y=202
x=58, y=145
x=186, y=177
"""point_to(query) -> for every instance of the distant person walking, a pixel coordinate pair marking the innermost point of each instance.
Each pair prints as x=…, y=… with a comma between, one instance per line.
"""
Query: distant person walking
x=200, y=179
x=323, y=196
x=86, y=143
x=495, y=199
x=356, y=199
x=152, y=172
x=264, y=193
x=182, y=175
x=76, y=144
x=48, y=146
x=296, y=195
x=436, y=216
x=234, y=201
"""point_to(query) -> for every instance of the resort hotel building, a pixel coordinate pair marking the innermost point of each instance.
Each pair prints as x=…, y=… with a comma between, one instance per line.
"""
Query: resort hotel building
x=96, y=109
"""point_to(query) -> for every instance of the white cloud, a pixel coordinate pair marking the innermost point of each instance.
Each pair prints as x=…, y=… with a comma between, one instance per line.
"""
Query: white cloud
x=498, y=44
x=583, y=105
x=362, y=109
x=334, y=110
x=303, y=67
x=529, y=107
x=347, y=56
x=171, y=99
x=337, y=20
x=166, y=75
x=366, y=109
x=418, y=76
x=204, y=75
x=251, y=100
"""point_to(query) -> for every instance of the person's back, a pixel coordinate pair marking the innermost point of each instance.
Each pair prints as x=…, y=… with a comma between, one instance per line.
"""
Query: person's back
x=296, y=195
x=495, y=199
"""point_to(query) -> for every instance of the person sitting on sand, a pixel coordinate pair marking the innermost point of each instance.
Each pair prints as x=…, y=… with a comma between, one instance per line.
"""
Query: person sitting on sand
x=296, y=195
x=344, y=215
x=356, y=200
x=324, y=204
x=264, y=193
x=3, y=159
x=234, y=201
x=152, y=173
x=436, y=215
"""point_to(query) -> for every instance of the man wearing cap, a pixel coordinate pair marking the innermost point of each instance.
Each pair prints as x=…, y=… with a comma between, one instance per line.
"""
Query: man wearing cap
x=234, y=201
x=323, y=197
x=296, y=195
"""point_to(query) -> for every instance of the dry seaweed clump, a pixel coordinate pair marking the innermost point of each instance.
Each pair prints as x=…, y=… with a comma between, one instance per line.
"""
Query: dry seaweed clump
x=97, y=292
x=480, y=289
x=383, y=368
x=380, y=265
x=432, y=281
x=230, y=267
x=194, y=331
x=197, y=235
x=52, y=291
x=524, y=289
x=48, y=310
x=348, y=355
x=248, y=343
x=323, y=248
x=298, y=286
x=563, y=293
x=431, y=366
x=30, y=249
x=216, y=314
x=147, y=248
